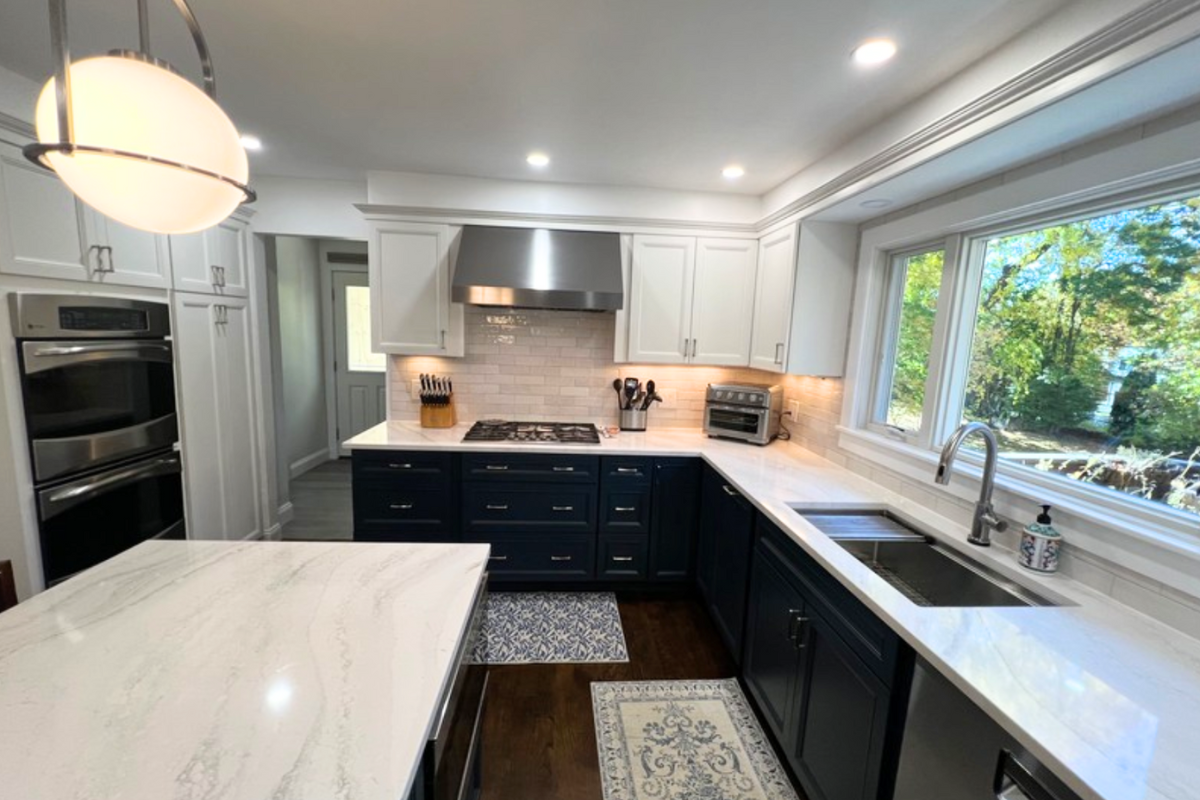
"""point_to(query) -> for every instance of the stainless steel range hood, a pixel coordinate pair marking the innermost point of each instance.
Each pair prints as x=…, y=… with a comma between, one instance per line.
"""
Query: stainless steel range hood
x=538, y=268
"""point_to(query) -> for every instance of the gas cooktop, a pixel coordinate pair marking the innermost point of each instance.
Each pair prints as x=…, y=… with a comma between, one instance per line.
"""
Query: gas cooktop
x=496, y=430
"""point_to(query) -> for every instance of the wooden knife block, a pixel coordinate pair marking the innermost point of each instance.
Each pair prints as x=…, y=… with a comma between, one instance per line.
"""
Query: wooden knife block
x=439, y=416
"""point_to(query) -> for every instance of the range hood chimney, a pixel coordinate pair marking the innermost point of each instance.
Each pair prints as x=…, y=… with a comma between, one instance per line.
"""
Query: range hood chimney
x=538, y=268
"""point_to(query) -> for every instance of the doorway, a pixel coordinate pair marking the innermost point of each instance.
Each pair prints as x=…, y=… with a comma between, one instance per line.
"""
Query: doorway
x=358, y=373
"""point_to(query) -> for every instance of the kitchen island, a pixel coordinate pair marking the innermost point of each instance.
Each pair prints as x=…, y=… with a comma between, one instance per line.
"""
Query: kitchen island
x=234, y=670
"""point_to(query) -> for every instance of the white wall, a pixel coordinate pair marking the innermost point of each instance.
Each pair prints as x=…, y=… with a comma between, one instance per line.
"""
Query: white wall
x=301, y=351
x=18, y=95
x=308, y=207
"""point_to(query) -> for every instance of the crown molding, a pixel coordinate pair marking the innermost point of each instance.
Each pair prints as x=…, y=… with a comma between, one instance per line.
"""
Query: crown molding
x=17, y=125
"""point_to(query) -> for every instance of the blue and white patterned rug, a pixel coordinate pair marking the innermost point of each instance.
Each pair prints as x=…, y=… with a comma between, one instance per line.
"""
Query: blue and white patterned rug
x=551, y=627
x=677, y=740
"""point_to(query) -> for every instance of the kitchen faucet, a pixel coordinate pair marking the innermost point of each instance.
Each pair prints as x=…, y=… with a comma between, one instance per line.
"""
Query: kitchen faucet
x=985, y=520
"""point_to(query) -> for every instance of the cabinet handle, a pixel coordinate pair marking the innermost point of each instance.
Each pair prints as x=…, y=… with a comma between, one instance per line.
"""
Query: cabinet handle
x=399, y=466
x=401, y=506
x=562, y=508
x=729, y=490
x=496, y=467
x=564, y=469
x=443, y=340
x=497, y=558
x=560, y=558
x=497, y=508
x=779, y=353
x=622, y=559
x=625, y=508
x=695, y=345
x=110, y=268
x=629, y=471
x=797, y=627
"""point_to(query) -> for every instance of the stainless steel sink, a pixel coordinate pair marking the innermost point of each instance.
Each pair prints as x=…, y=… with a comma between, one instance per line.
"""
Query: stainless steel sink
x=927, y=573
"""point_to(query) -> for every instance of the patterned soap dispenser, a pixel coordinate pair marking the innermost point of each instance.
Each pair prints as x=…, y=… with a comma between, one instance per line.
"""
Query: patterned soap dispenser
x=1040, y=544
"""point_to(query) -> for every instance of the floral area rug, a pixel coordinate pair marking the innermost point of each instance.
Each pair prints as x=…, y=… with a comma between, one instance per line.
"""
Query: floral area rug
x=551, y=627
x=670, y=740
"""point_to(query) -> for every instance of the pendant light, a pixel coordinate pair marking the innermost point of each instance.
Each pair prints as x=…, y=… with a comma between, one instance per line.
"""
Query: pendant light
x=134, y=139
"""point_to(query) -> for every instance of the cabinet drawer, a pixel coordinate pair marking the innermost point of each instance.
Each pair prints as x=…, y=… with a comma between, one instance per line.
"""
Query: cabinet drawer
x=868, y=636
x=413, y=468
x=545, y=468
x=384, y=504
x=620, y=471
x=517, y=508
x=542, y=558
x=623, y=557
x=625, y=512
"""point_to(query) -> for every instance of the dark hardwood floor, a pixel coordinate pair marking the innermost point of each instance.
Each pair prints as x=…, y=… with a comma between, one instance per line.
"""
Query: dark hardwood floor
x=538, y=736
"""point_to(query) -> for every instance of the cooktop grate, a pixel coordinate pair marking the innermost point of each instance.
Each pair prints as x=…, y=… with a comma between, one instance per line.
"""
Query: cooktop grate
x=533, y=432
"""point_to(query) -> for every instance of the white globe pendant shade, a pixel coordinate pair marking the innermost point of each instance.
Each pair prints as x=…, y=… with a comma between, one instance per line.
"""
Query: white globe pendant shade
x=141, y=112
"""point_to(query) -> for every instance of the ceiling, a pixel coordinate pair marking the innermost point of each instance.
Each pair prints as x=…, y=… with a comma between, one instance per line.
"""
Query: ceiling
x=660, y=93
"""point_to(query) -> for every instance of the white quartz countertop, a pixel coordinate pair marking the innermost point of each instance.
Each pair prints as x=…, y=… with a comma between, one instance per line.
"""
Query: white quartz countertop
x=1106, y=697
x=233, y=671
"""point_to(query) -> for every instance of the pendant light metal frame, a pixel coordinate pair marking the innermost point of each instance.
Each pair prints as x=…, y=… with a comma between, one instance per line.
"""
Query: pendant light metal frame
x=62, y=88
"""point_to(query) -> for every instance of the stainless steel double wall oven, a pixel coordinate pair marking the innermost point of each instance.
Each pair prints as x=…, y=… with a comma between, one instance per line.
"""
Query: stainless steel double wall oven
x=98, y=385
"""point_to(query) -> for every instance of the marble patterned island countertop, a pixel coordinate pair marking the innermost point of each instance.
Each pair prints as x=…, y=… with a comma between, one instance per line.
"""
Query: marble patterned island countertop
x=233, y=671
x=1104, y=696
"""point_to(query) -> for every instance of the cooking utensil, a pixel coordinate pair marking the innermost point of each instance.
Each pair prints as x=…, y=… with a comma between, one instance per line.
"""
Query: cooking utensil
x=649, y=398
x=617, y=389
x=631, y=389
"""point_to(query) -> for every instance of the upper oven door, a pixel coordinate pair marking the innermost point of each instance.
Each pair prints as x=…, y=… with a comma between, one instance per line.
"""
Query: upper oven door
x=740, y=421
x=94, y=402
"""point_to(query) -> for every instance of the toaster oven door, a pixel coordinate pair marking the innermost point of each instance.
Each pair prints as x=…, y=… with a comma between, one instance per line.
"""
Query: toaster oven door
x=737, y=422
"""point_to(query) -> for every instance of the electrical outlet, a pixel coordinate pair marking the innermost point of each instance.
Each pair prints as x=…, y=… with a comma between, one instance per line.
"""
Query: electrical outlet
x=793, y=409
x=414, y=389
x=669, y=397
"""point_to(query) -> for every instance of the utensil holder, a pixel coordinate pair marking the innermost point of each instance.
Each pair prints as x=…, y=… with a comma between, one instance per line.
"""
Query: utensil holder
x=633, y=419
x=441, y=415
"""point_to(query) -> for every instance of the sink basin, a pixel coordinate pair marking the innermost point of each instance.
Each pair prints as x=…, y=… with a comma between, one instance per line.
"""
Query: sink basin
x=927, y=573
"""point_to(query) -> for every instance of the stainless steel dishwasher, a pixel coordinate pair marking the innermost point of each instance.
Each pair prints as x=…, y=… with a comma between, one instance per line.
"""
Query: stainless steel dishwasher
x=954, y=751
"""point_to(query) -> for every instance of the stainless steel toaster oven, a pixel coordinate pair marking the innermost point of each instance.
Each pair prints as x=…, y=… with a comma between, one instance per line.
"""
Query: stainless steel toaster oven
x=750, y=412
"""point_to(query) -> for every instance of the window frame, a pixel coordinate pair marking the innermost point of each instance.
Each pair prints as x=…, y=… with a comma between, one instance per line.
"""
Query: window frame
x=949, y=366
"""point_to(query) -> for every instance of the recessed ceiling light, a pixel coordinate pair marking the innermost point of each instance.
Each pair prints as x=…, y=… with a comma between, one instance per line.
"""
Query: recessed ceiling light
x=874, y=51
x=251, y=142
x=733, y=171
x=880, y=203
x=537, y=160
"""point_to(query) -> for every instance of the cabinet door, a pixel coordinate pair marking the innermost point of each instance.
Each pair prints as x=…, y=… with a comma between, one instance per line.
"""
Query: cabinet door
x=731, y=573
x=723, y=301
x=130, y=257
x=239, y=453
x=198, y=368
x=773, y=300
x=842, y=723
x=673, y=518
x=42, y=232
x=214, y=261
x=710, y=526
x=771, y=660
x=410, y=288
x=660, y=303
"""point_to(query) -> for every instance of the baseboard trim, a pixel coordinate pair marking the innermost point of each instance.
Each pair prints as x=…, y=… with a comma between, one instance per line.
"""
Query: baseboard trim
x=310, y=461
x=286, y=512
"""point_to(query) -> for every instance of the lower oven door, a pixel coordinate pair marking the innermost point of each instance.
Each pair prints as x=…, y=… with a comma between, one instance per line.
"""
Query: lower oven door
x=86, y=520
x=737, y=422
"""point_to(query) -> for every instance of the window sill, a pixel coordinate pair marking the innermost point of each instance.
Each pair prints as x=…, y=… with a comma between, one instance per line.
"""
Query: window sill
x=1160, y=544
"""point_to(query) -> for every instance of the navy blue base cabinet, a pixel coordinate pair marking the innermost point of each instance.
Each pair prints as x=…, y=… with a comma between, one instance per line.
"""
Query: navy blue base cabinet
x=405, y=496
x=723, y=558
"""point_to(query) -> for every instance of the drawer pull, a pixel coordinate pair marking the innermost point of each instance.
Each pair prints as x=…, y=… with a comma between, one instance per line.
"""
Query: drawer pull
x=497, y=558
x=564, y=469
x=622, y=558
x=729, y=490
x=401, y=506
x=629, y=471
x=498, y=508
x=560, y=558
x=562, y=508
x=400, y=466
x=625, y=508
x=496, y=467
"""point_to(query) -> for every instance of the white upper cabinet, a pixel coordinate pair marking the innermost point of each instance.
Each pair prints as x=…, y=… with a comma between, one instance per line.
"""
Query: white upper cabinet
x=213, y=261
x=825, y=265
x=723, y=301
x=660, y=299
x=773, y=300
x=411, y=312
x=125, y=256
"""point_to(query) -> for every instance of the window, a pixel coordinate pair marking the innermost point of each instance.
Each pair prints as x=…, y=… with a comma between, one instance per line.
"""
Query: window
x=358, y=332
x=915, y=283
x=1076, y=340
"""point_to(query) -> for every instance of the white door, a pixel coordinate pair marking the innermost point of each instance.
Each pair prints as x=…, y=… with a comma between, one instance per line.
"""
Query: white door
x=723, y=301
x=42, y=234
x=660, y=309
x=212, y=261
x=358, y=372
x=131, y=257
x=773, y=300
x=199, y=369
x=409, y=265
x=239, y=451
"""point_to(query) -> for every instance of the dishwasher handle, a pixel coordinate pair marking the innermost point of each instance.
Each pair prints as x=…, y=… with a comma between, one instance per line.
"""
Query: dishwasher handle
x=1015, y=781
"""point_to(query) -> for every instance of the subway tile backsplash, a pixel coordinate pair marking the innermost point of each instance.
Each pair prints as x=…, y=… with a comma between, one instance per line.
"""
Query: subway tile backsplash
x=529, y=364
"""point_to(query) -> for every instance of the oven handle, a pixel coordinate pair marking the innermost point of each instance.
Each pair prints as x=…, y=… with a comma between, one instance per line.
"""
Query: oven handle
x=59, y=354
x=55, y=501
